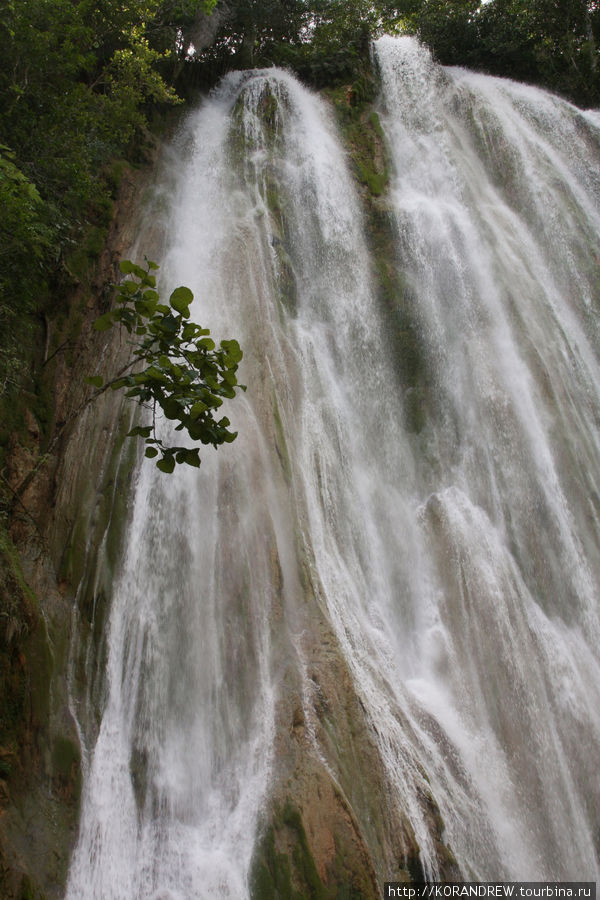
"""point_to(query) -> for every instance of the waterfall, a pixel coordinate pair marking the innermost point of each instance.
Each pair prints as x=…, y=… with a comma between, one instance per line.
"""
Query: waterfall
x=414, y=497
x=496, y=200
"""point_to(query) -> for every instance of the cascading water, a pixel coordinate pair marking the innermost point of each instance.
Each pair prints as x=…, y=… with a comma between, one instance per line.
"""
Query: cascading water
x=496, y=200
x=444, y=524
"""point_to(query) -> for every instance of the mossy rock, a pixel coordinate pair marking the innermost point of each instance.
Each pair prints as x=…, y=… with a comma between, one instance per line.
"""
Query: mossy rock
x=271, y=873
x=362, y=132
x=241, y=144
x=365, y=139
x=284, y=867
x=291, y=875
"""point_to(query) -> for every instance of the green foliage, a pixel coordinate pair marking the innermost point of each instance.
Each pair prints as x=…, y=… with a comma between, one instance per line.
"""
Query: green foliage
x=283, y=875
x=78, y=79
x=340, y=34
x=324, y=41
x=550, y=42
x=20, y=223
x=252, y=30
x=25, y=239
x=175, y=366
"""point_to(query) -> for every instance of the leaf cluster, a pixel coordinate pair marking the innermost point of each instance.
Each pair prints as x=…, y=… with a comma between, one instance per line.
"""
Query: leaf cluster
x=175, y=367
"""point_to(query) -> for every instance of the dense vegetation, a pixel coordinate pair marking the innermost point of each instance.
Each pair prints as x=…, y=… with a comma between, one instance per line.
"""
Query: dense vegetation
x=76, y=82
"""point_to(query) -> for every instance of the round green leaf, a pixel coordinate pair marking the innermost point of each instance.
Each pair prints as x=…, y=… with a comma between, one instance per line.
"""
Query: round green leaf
x=166, y=464
x=180, y=299
x=192, y=458
x=197, y=409
x=128, y=267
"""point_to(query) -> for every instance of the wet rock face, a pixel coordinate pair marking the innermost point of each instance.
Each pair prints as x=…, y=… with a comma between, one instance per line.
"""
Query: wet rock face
x=44, y=553
x=331, y=829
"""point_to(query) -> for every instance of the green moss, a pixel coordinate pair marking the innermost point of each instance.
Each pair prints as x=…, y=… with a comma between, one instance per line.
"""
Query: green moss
x=350, y=883
x=27, y=891
x=268, y=108
x=12, y=571
x=288, y=873
x=276, y=205
x=82, y=564
x=286, y=279
x=287, y=290
x=241, y=142
x=303, y=858
x=414, y=867
x=403, y=329
x=375, y=181
x=364, y=136
x=376, y=125
x=111, y=499
x=271, y=876
x=448, y=856
x=284, y=867
x=273, y=201
x=362, y=131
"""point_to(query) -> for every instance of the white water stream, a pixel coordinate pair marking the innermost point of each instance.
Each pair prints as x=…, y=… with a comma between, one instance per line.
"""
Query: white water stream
x=458, y=562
